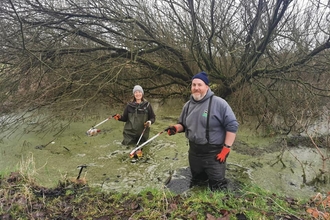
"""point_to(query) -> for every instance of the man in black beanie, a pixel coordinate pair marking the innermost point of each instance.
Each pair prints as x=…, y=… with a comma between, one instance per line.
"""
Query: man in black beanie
x=210, y=126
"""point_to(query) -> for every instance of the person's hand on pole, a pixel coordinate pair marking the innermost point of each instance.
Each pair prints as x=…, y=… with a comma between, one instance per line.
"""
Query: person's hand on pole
x=222, y=156
x=117, y=117
x=147, y=124
x=172, y=130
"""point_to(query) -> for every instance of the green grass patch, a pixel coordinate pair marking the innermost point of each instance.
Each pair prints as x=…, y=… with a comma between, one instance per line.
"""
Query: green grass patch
x=71, y=199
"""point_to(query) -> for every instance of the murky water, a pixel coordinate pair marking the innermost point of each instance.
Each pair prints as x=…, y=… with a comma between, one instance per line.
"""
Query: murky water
x=109, y=166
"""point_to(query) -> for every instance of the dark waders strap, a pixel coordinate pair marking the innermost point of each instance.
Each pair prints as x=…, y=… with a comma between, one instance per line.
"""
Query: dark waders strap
x=208, y=121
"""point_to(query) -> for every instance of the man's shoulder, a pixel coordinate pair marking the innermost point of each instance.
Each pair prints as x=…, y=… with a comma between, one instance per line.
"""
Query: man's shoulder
x=219, y=100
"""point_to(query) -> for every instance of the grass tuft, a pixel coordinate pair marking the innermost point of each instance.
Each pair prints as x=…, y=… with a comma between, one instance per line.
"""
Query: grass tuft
x=22, y=198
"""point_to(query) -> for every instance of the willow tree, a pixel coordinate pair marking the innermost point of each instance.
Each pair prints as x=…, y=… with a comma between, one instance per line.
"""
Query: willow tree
x=262, y=54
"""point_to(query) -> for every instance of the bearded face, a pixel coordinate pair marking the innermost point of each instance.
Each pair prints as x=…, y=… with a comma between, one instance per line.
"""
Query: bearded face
x=198, y=89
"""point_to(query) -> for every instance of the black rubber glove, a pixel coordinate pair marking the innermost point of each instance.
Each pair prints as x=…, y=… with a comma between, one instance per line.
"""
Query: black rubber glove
x=116, y=117
x=172, y=130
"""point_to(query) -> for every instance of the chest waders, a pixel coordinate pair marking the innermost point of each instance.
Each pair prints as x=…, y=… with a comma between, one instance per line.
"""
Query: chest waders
x=135, y=124
x=204, y=166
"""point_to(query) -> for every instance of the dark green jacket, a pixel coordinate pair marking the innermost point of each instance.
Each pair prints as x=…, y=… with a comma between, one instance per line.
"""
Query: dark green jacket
x=135, y=115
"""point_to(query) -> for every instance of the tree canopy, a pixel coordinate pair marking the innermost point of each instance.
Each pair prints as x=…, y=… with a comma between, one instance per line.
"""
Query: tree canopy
x=260, y=54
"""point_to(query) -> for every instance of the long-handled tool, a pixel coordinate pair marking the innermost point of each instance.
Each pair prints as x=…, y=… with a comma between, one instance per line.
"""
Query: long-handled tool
x=139, y=147
x=138, y=153
x=137, y=144
x=93, y=131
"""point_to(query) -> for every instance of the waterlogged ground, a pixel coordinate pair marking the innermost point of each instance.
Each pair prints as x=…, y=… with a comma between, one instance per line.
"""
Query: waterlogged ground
x=280, y=166
x=253, y=160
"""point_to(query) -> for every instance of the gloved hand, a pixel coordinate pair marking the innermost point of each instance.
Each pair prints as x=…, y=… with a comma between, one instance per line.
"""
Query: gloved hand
x=147, y=124
x=172, y=130
x=222, y=156
x=117, y=116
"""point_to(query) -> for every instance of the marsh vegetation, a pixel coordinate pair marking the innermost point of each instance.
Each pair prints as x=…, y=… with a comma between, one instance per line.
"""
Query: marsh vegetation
x=67, y=65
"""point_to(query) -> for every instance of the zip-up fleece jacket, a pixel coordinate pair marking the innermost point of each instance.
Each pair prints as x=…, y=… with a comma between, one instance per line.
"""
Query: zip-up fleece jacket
x=194, y=119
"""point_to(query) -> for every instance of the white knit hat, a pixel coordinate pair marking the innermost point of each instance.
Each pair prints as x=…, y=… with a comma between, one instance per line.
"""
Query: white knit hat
x=137, y=88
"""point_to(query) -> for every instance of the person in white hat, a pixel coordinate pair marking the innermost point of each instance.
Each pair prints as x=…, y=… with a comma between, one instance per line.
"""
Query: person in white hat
x=138, y=117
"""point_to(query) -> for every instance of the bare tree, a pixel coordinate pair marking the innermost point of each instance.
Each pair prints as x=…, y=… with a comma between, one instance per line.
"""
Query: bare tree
x=81, y=51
